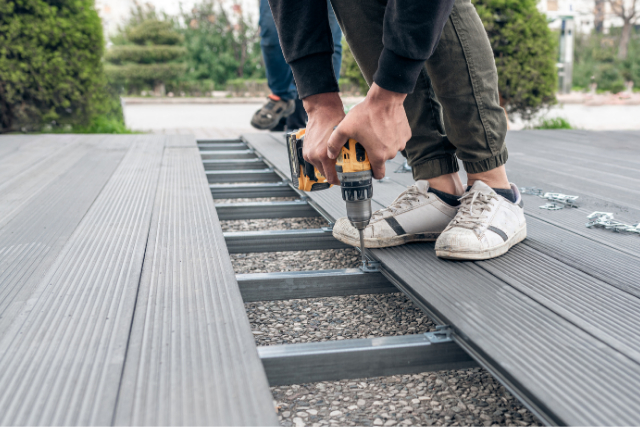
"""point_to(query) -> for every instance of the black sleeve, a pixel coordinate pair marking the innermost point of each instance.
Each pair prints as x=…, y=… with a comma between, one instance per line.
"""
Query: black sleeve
x=307, y=45
x=412, y=30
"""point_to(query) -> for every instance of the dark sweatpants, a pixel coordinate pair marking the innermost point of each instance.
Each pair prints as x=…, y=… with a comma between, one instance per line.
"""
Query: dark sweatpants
x=457, y=86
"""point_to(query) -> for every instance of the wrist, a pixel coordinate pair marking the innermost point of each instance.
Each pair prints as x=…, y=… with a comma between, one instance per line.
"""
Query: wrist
x=323, y=101
x=378, y=94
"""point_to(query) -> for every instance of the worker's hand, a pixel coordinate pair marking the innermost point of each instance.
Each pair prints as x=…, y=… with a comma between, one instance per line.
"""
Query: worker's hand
x=325, y=112
x=379, y=123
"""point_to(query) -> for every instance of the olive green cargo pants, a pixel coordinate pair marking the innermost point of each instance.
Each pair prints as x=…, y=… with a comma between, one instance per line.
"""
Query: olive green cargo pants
x=458, y=85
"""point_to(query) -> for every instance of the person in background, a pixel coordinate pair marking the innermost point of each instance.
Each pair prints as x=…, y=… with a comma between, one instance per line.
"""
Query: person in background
x=283, y=107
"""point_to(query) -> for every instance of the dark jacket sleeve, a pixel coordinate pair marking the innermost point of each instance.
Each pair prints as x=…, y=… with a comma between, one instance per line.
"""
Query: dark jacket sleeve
x=412, y=30
x=307, y=45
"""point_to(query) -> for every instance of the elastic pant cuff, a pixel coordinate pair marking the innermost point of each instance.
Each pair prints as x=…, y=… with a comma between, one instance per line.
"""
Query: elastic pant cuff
x=434, y=168
x=487, y=164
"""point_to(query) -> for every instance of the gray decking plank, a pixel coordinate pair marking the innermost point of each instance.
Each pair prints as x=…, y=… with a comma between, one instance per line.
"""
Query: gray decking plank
x=563, y=370
x=34, y=230
x=62, y=357
x=192, y=359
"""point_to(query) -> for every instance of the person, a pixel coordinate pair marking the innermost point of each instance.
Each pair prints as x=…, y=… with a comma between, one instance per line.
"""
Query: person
x=434, y=96
x=283, y=104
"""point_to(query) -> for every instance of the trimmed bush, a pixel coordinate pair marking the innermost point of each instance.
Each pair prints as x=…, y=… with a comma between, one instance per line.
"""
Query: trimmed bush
x=154, y=32
x=144, y=54
x=50, y=68
x=525, y=51
x=147, y=63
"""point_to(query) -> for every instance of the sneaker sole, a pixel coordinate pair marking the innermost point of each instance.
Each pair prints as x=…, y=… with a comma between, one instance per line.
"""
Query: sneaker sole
x=286, y=113
x=488, y=253
x=389, y=241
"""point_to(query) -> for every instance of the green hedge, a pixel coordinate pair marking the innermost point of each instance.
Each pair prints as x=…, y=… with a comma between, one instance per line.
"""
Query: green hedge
x=154, y=32
x=144, y=72
x=144, y=54
x=50, y=68
x=525, y=52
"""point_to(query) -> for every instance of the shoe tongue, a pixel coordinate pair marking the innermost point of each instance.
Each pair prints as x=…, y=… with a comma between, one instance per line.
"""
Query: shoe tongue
x=422, y=186
x=481, y=187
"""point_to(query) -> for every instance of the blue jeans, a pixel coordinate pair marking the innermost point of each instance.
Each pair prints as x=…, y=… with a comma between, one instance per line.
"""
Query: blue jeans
x=279, y=75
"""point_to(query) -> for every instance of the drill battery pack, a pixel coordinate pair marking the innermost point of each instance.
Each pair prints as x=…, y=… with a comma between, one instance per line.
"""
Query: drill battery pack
x=303, y=174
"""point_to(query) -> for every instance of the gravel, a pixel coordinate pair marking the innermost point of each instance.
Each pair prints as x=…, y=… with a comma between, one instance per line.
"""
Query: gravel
x=464, y=397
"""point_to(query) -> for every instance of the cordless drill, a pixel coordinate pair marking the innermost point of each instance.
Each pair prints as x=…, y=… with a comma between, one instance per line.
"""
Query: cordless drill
x=354, y=173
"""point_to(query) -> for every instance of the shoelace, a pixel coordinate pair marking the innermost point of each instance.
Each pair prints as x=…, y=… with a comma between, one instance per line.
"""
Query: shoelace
x=406, y=198
x=270, y=105
x=472, y=206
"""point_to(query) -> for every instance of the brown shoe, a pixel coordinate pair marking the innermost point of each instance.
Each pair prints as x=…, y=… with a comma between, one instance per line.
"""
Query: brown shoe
x=270, y=114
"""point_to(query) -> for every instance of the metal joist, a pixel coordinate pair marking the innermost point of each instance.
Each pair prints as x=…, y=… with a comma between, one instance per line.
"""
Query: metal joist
x=266, y=210
x=230, y=154
x=362, y=358
x=251, y=191
x=282, y=240
x=234, y=164
x=257, y=175
x=222, y=146
x=311, y=284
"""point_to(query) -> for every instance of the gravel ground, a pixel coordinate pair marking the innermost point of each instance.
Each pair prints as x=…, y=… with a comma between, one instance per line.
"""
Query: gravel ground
x=465, y=397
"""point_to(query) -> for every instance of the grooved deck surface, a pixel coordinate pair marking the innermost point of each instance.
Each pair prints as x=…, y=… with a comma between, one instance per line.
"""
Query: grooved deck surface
x=557, y=319
x=116, y=289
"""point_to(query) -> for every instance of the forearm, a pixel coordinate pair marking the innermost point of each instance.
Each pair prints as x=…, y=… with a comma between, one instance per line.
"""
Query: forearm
x=307, y=45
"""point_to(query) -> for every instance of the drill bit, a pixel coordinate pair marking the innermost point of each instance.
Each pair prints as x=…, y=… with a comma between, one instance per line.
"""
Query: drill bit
x=362, y=249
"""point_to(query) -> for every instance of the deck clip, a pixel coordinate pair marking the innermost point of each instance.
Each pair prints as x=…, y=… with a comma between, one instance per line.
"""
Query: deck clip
x=405, y=168
x=441, y=334
x=531, y=190
x=370, y=267
x=605, y=220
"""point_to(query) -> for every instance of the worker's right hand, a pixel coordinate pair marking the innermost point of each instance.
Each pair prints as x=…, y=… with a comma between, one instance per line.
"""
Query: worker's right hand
x=379, y=124
x=325, y=111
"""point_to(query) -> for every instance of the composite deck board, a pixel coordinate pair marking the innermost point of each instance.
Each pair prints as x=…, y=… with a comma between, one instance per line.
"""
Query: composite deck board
x=62, y=356
x=540, y=317
x=192, y=358
x=76, y=215
x=34, y=230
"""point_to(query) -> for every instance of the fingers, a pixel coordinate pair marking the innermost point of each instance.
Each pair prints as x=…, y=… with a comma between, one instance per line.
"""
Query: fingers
x=330, y=173
x=336, y=141
x=378, y=168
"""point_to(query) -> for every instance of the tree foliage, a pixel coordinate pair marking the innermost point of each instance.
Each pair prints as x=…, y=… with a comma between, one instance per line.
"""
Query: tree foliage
x=525, y=53
x=50, y=63
x=221, y=46
x=596, y=60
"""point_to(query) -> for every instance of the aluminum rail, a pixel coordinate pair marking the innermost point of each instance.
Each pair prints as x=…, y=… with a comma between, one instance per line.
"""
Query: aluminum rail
x=282, y=240
x=362, y=358
x=251, y=191
x=234, y=164
x=230, y=154
x=311, y=284
x=223, y=146
x=266, y=210
x=229, y=176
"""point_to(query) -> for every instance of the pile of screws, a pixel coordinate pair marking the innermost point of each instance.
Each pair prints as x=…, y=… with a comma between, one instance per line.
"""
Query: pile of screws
x=605, y=220
x=556, y=202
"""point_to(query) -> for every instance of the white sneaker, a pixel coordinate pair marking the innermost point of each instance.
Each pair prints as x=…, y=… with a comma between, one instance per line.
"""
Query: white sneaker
x=414, y=216
x=487, y=225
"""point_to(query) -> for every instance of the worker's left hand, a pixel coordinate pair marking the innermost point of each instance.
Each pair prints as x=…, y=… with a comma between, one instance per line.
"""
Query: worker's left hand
x=379, y=123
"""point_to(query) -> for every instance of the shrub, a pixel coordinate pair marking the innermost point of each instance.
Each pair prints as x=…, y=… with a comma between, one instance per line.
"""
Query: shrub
x=50, y=64
x=146, y=53
x=350, y=70
x=143, y=54
x=553, y=123
x=525, y=52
